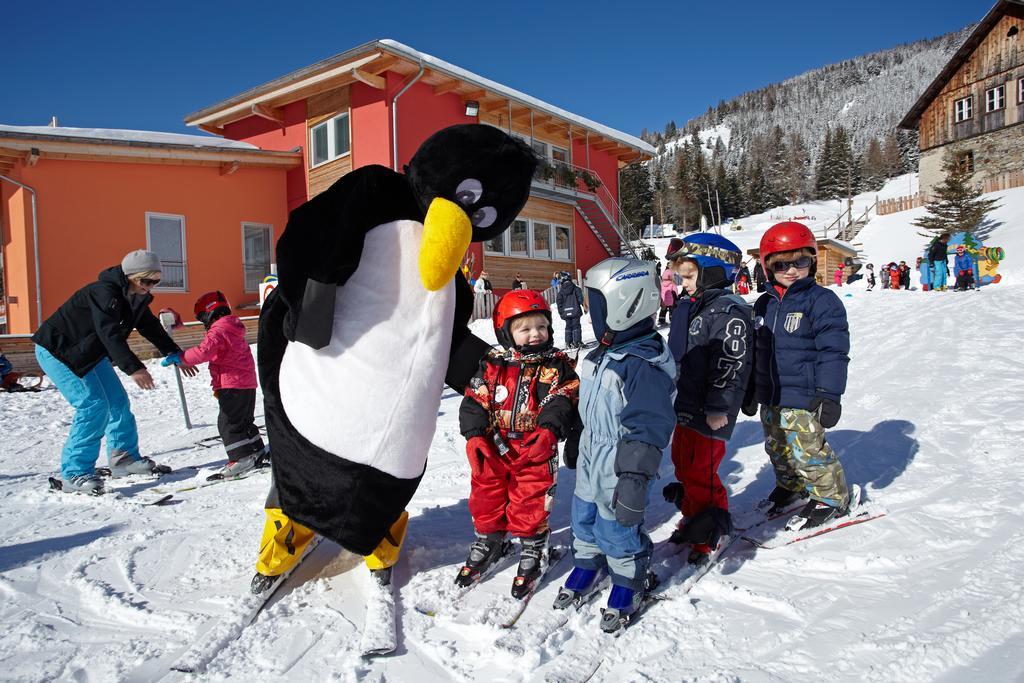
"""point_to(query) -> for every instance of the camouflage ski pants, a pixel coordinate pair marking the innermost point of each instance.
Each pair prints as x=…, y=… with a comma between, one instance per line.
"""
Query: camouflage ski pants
x=803, y=460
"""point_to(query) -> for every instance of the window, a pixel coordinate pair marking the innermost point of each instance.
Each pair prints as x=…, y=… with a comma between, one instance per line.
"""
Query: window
x=496, y=245
x=1020, y=91
x=256, y=249
x=329, y=140
x=165, y=236
x=563, y=243
x=966, y=160
x=541, y=240
x=995, y=99
x=964, y=109
x=532, y=239
x=518, y=238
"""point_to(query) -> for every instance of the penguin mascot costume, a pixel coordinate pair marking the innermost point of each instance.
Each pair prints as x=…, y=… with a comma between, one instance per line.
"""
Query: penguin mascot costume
x=367, y=324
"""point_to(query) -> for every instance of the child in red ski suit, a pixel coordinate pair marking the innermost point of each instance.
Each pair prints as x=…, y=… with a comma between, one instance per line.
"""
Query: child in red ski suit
x=894, y=276
x=233, y=377
x=517, y=407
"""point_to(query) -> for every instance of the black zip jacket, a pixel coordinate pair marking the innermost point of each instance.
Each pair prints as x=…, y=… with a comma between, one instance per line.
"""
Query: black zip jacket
x=94, y=323
x=716, y=363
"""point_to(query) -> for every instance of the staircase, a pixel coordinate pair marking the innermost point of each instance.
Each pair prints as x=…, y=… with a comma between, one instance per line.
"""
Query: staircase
x=597, y=220
x=847, y=233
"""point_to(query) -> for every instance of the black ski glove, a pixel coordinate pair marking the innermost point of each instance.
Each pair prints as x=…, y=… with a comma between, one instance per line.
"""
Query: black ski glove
x=749, y=408
x=630, y=498
x=674, y=493
x=571, y=452
x=828, y=412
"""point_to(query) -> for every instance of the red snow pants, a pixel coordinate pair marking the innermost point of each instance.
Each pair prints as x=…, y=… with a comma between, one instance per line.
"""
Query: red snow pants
x=696, y=458
x=511, y=494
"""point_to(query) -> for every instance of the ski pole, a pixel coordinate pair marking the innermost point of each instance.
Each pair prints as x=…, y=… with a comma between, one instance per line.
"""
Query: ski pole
x=169, y=320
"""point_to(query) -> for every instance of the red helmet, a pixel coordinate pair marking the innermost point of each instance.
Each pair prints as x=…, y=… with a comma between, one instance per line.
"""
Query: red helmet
x=514, y=304
x=786, y=236
x=961, y=247
x=208, y=304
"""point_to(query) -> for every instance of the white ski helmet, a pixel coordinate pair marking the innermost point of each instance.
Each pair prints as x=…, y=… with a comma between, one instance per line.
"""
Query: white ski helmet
x=630, y=290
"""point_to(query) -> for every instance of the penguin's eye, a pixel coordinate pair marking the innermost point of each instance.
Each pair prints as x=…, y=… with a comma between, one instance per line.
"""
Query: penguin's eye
x=469, y=191
x=484, y=217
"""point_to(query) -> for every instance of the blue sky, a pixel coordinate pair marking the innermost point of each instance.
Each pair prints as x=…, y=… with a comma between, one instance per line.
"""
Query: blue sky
x=629, y=65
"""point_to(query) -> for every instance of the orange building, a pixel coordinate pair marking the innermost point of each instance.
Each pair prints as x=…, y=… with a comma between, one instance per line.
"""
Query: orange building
x=74, y=201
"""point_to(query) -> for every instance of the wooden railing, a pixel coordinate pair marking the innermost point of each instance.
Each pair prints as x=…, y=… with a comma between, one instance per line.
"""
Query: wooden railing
x=1003, y=181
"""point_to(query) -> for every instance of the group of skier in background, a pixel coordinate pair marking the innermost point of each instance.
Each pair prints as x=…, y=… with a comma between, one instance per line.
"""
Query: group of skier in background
x=932, y=268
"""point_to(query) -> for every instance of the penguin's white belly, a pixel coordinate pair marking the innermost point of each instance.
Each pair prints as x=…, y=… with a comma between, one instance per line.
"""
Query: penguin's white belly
x=371, y=396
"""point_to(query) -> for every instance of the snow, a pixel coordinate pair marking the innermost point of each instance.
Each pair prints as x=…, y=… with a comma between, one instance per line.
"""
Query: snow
x=103, y=589
x=120, y=135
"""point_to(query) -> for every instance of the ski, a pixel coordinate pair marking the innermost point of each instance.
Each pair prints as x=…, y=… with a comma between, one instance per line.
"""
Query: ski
x=223, y=632
x=507, y=613
x=454, y=593
x=57, y=486
x=840, y=523
x=380, y=633
x=212, y=482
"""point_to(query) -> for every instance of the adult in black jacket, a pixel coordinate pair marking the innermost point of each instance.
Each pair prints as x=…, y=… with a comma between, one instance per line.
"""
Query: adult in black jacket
x=937, y=254
x=76, y=346
x=759, y=278
x=570, y=309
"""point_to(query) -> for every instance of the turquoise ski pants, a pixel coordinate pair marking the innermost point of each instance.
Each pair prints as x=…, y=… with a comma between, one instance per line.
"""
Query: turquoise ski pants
x=102, y=410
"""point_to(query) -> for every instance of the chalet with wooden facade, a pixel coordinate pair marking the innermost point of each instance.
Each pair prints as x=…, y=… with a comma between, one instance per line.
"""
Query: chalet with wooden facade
x=975, y=106
x=376, y=103
x=74, y=201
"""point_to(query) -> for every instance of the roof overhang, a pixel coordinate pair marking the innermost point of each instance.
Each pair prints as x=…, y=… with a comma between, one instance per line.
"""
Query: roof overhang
x=31, y=147
x=913, y=117
x=366, y=62
x=836, y=245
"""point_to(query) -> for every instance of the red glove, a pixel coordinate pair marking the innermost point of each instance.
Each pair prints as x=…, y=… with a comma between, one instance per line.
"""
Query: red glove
x=540, y=446
x=478, y=448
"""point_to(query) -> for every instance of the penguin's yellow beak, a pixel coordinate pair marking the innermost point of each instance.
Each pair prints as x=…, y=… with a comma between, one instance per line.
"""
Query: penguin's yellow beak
x=446, y=236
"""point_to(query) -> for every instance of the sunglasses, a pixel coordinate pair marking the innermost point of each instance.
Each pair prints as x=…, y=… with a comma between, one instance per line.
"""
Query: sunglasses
x=148, y=282
x=783, y=266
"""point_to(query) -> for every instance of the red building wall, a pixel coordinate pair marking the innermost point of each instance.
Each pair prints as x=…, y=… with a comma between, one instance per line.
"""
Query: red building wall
x=371, y=123
x=269, y=135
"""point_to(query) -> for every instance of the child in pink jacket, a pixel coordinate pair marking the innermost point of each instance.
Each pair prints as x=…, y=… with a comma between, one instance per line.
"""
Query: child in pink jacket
x=233, y=374
x=840, y=274
x=668, y=296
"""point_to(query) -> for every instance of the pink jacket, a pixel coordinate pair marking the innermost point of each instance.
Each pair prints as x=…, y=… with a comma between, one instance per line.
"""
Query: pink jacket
x=225, y=349
x=668, y=288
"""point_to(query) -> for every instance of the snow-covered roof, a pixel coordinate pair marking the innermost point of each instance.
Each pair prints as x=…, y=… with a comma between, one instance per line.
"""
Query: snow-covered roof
x=434, y=64
x=452, y=70
x=117, y=135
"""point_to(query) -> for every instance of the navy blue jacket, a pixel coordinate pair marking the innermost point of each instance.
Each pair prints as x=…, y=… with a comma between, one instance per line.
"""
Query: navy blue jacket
x=802, y=345
x=570, y=300
x=715, y=363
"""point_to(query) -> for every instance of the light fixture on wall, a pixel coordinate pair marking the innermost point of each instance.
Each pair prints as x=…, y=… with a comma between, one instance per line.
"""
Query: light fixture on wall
x=472, y=107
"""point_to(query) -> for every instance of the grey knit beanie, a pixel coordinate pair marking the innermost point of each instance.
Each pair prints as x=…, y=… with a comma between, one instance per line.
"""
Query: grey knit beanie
x=140, y=261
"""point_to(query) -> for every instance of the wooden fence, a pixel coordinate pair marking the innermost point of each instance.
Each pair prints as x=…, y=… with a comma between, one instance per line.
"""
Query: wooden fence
x=1003, y=181
x=20, y=349
x=897, y=204
x=483, y=304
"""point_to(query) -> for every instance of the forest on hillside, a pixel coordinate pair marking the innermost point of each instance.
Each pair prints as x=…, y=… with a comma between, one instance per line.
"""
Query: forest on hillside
x=825, y=134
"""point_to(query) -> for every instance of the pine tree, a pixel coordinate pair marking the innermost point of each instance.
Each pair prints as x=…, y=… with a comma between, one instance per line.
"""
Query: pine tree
x=636, y=193
x=958, y=206
x=872, y=167
x=824, y=173
x=893, y=163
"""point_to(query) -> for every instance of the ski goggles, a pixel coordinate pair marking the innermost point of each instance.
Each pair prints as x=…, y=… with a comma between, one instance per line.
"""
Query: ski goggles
x=783, y=266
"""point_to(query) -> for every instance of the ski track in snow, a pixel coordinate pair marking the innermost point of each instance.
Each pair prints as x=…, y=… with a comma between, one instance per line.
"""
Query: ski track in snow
x=103, y=589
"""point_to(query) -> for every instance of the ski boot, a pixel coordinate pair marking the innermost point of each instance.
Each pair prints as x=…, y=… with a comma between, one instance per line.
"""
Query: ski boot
x=624, y=603
x=580, y=584
x=533, y=561
x=262, y=583
x=814, y=514
x=778, y=500
x=90, y=484
x=382, y=576
x=238, y=468
x=699, y=555
x=125, y=464
x=485, y=551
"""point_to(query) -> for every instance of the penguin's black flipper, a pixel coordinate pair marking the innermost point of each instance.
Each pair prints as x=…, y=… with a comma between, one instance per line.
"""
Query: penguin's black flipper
x=467, y=348
x=323, y=242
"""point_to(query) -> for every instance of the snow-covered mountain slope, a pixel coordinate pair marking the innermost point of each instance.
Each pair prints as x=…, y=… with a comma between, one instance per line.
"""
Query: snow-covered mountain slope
x=103, y=589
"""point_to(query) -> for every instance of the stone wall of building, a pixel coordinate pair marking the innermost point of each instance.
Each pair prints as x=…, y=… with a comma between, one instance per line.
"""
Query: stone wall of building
x=995, y=153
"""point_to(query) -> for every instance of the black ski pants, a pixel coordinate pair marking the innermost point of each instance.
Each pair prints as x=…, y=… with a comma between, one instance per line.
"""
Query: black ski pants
x=236, y=424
